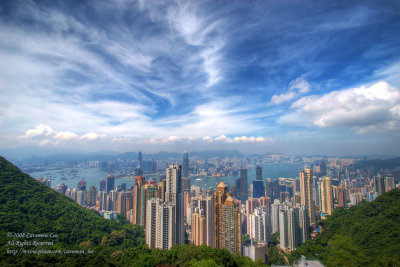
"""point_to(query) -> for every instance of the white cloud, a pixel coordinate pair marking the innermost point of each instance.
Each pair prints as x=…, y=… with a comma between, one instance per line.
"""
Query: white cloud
x=65, y=135
x=390, y=73
x=204, y=139
x=44, y=135
x=297, y=87
x=40, y=130
x=92, y=136
x=223, y=138
x=300, y=84
x=202, y=32
x=279, y=99
x=363, y=109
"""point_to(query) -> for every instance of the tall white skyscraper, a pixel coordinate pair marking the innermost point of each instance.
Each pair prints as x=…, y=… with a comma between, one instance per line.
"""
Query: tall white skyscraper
x=283, y=229
x=260, y=225
x=275, y=216
x=165, y=220
x=304, y=223
x=160, y=226
x=174, y=195
x=293, y=225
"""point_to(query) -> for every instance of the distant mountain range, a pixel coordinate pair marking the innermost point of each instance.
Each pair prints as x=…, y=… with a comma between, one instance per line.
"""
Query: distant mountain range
x=35, y=154
x=379, y=163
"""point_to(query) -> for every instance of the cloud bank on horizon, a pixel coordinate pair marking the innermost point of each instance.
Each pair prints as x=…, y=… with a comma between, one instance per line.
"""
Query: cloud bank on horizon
x=260, y=76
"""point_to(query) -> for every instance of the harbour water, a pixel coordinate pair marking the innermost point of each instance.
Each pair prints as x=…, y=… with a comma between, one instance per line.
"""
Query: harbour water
x=92, y=176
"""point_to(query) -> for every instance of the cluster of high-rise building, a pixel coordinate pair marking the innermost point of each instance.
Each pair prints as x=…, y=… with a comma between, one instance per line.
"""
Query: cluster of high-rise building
x=240, y=218
x=165, y=216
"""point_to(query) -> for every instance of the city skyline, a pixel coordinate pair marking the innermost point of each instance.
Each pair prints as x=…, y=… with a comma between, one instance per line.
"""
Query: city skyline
x=258, y=77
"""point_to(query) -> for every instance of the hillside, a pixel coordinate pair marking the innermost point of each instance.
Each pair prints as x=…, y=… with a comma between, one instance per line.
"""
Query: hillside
x=27, y=206
x=363, y=235
x=77, y=236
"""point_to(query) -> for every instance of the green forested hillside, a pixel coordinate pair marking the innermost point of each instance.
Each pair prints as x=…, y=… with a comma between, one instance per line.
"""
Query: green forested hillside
x=83, y=237
x=363, y=235
x=29, y=207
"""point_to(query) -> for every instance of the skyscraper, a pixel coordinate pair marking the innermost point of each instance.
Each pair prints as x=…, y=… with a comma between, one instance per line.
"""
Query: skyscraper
x=140, y=160
x=326, y=196
x=174, y=195
x=258, y=186
x=275, y=208
x=139, y=166
x=258, y=189
x=293, y=227
x=185, y=165
x=103, y=185
x=242, y=190
x=260, y=225
x=230, y=236
x=389, y=182
x=306, y=187
x=293, y=224
x=139, y=201
x=272, y=189
x=379, y=184
x=103, y=205
x=205, y=206
x=252, y=204
x=160, y=226
x=219, y=197
x=199, y=228
x=341, y=195
x=227, y=221
x=92, y=194
x=110, y=183
x=304, y=222
x=258, y=173
x=82, y=185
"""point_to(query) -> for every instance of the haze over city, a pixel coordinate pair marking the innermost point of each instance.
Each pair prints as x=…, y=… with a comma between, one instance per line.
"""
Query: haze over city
x=260, y=77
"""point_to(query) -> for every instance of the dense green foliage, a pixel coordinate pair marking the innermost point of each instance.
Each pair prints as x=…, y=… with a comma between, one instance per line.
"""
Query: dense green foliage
x=27, y=206
x=275, y=256
x=363, y=235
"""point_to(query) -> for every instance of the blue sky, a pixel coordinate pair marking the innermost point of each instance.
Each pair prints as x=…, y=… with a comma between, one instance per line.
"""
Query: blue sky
x=301, y=77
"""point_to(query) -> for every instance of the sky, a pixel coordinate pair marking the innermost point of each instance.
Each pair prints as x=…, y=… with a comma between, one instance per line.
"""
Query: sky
x=300, y=77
